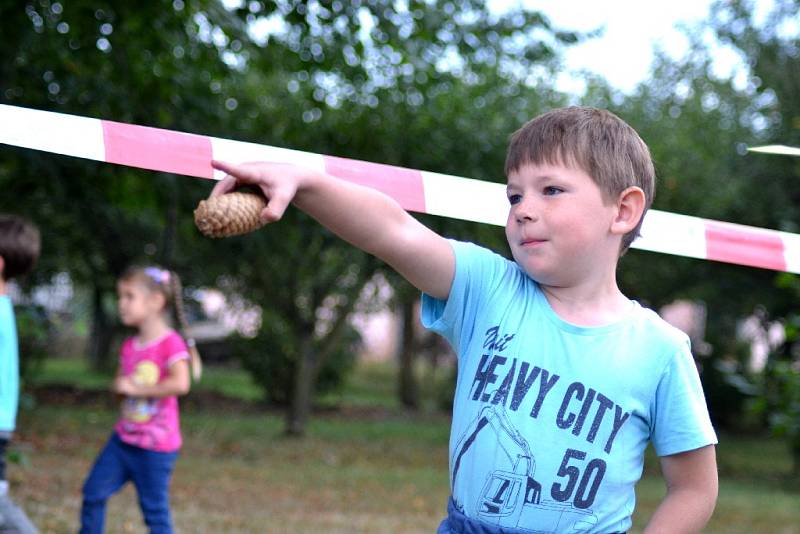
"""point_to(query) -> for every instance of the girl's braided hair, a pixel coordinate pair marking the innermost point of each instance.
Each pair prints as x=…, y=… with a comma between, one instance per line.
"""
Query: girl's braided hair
x=168, y=283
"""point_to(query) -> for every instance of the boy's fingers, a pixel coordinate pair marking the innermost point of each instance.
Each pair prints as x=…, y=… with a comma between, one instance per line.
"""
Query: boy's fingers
x=237, y=174
x=275, y=208
x=244, y=172
x=225, y=185
x=228, y=168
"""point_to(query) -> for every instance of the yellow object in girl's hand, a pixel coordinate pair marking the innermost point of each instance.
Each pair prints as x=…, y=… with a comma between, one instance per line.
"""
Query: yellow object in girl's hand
x=146, y=374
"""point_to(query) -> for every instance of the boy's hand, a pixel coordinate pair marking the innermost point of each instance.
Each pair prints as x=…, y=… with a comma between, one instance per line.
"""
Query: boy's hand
x=278, y=182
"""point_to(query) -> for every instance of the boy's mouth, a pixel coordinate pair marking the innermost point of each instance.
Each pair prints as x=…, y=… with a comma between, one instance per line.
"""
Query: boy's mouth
x=531, y=241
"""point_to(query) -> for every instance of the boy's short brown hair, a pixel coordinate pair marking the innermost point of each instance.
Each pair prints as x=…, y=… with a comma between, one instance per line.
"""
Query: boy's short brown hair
x=594, y=140
x=20, y=244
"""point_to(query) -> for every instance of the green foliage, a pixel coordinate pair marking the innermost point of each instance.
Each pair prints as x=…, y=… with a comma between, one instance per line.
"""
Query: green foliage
x=35, y=335
x=782, y=399
x=148, y=64
x=779, y=387
x=272, y=356
x=445, y=394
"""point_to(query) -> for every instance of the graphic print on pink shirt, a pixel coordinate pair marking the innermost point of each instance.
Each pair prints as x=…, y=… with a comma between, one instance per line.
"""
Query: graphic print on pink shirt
x=152, y=424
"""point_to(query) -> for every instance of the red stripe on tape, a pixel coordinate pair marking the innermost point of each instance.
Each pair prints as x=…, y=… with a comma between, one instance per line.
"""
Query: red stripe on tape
x=403, y=185
x=733, y=243
x=157, y=149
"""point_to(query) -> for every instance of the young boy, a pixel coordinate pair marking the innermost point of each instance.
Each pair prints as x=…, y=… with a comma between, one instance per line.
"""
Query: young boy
x=562, y=380
x=19, y=250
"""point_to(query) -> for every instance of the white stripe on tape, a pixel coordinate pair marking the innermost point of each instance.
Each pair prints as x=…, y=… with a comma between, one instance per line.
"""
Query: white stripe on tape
x=465, y=198
x=69, y=135
x=672, y=233
x=791, y=251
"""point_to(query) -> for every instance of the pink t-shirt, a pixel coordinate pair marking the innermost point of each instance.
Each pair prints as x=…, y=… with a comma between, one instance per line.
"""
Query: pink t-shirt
x=151, y=424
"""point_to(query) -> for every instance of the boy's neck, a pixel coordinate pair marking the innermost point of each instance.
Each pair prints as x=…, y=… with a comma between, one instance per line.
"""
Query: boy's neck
x=589, y=304
x=3, y=286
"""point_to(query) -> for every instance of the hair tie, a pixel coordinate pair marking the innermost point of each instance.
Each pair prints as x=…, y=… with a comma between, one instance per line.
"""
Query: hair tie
x=159, y=276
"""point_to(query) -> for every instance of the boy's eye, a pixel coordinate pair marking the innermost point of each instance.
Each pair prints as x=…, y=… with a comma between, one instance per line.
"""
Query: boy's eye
x=552, y=190
x=514, y=199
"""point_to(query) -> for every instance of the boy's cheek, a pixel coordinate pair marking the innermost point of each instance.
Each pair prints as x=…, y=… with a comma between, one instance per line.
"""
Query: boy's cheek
x=509, y=232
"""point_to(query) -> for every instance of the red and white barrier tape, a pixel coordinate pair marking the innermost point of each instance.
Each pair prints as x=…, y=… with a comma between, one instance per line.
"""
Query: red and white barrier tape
x=425, y=192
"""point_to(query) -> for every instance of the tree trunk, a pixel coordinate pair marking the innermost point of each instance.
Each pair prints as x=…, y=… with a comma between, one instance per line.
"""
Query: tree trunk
x=304, y=378
x=102, y=333
x=314, y=353
x=408, y=388
x=313, y=357
x=171, y=224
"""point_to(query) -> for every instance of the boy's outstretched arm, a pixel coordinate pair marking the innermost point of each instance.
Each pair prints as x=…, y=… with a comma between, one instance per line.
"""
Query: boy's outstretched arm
x=361, y=216
x=692, y=487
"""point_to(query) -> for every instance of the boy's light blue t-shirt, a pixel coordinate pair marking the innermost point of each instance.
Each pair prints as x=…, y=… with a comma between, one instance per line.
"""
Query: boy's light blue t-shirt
x=9, y=366
x=551, y=420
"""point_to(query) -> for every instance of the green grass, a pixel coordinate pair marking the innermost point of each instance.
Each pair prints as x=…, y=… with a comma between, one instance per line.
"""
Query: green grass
x=369, y=467
x=371, y=386
x=228, y=381
x=237, y=473
x=70, y=371
x=756, y=494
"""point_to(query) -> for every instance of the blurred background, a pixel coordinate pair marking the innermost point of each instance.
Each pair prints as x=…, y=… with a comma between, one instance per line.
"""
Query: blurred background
x=325, y=406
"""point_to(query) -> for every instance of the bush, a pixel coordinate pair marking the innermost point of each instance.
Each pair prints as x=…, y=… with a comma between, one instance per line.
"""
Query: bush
x=34, y=331
x=271, y=358
x=780, y=403
x=446, y=391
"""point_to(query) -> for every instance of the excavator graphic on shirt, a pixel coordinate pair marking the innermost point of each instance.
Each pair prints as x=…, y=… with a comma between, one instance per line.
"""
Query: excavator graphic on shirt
x=511, y=497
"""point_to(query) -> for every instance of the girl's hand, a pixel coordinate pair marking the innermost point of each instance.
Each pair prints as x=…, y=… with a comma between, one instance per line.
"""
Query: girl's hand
x=278, y=181
x=124, y=386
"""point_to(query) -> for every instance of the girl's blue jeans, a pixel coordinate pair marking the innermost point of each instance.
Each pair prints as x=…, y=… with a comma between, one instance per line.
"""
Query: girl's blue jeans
x=150, y=472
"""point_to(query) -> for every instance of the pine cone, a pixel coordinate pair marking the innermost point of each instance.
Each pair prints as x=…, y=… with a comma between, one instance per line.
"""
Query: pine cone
x=230, y=214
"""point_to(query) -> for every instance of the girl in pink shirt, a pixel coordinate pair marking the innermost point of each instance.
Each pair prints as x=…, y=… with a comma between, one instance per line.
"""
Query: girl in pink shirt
x=154, y=370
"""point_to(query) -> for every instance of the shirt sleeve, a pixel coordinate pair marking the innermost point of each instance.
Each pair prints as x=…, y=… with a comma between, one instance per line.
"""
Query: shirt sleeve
x=476, y=270
x=9, y=368
x=175, y=348
x=681, y=422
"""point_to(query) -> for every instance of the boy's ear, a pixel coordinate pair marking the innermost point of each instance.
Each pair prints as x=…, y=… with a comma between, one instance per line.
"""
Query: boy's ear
x=630, y=207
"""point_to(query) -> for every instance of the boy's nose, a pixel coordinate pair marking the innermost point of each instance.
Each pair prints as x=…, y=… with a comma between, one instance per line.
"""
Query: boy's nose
x=526, y=211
